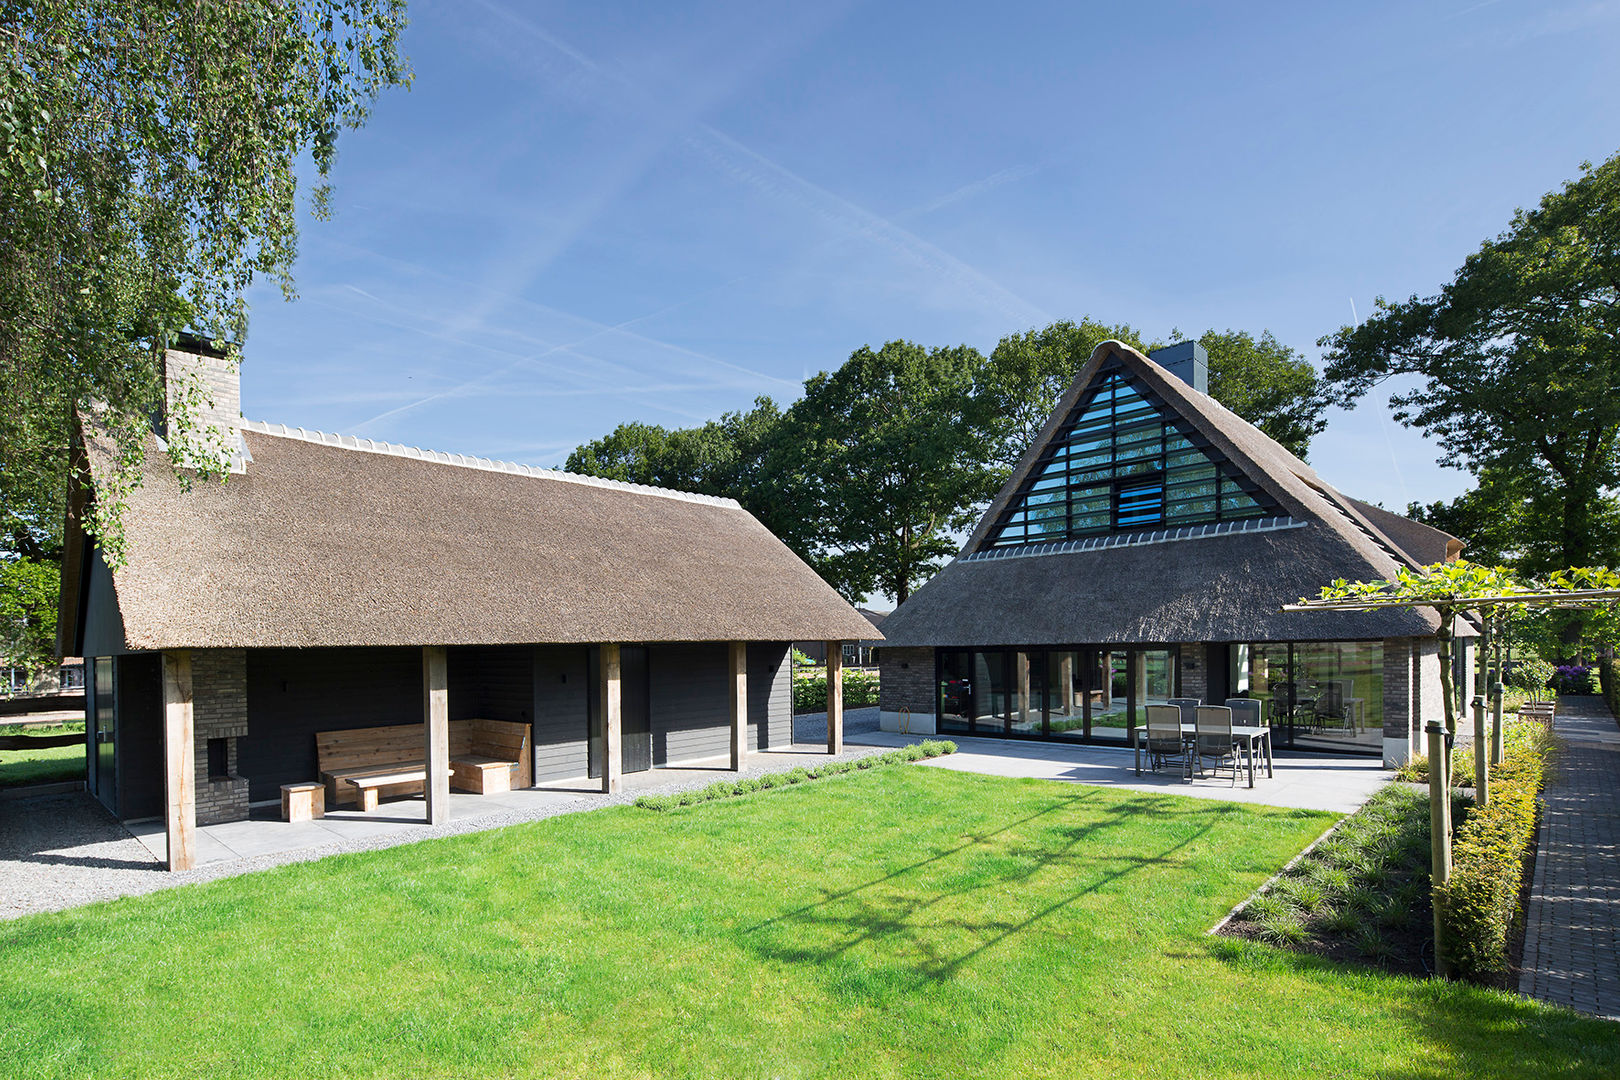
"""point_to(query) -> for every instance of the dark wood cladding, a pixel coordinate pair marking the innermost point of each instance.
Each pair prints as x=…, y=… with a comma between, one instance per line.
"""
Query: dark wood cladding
x=770, y=696
x=689, y=711
x=293, y=693
x=139, y=779
x=561, y=689
x=494, y=682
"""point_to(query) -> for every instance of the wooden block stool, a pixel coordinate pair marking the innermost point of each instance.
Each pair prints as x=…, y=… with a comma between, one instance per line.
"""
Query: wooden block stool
x=303, y=802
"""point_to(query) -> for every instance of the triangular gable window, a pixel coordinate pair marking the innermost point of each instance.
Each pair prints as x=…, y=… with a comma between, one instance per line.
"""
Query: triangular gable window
x=1123, y=462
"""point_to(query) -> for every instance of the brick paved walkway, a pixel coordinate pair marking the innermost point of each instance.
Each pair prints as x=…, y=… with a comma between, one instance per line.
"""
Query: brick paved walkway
x=1572, y=937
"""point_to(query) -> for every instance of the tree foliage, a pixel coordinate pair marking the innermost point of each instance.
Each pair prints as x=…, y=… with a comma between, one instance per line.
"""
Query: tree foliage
x=1518, y=359
x=879, y=462
x=1267, y=383
x=148, y=175
x=28, y=591
x=1026, y=374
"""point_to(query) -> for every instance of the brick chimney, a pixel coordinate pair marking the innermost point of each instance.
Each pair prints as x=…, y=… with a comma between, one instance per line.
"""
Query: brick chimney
x=204, y=383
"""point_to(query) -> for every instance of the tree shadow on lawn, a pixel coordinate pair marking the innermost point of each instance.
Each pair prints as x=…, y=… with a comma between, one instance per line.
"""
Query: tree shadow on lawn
x=892, y=920
x=1488, y=1034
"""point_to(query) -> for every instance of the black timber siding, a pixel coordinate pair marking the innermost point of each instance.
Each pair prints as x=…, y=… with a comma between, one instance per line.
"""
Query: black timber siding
x=770, y=696
x=139, y=766
x=494, y=682
x=690, y=714
x=561, y=685
x=293, y=693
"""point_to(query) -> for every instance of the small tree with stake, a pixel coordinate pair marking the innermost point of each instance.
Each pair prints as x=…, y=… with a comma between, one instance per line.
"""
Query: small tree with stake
x=1452, y=590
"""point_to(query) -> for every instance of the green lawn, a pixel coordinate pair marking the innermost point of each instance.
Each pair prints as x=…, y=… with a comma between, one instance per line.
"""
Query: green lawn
x=901, y=922
x=43, y=766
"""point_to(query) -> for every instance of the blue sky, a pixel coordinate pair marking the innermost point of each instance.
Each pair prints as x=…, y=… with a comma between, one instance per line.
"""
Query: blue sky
x=587, y=213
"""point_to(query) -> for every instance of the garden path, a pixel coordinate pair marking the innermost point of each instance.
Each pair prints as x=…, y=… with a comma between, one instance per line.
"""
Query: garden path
x=1572, y=934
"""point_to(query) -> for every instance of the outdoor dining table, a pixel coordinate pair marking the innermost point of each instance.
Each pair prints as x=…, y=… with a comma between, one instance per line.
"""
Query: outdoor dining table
x=1248, y=737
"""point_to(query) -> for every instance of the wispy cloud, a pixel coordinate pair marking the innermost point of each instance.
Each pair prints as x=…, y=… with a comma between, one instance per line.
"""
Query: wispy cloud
x=971, y=191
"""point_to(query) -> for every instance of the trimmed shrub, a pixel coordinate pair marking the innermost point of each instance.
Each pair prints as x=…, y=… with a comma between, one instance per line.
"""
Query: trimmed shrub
x=1609, y=681
x=810, y=690
x=1529, y=674
x=726, y=789
x=1572, y=679
x=1479, y=906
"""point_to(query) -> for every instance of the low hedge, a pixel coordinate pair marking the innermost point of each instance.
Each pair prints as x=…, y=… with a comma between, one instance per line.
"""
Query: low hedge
x=1479, y=906
x=726, y=789
x=810, y=691
x=1609, y=682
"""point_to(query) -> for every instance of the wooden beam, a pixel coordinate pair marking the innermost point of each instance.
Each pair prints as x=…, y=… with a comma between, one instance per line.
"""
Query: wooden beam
x=835, y=697
x=179, y=761
x=436, y=722
x=612, y=697
x=739, y=705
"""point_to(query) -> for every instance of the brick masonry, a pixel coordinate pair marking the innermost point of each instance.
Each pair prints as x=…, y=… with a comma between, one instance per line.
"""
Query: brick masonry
x=210, y=389
x=219, y=711
x=1195, y=672
x=907, y=680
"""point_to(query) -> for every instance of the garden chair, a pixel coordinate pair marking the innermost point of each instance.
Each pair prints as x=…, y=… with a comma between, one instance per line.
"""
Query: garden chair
x=1187, y=705
x=1165, y=741
x=1214, y=739
x=1332, y=710
x=1246, y=711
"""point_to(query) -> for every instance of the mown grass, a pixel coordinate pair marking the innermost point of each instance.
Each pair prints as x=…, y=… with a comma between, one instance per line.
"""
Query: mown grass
x=46, y=765
x=895, y=922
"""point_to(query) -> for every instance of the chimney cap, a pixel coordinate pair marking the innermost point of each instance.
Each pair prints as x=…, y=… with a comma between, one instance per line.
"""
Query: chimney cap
x=189, y=341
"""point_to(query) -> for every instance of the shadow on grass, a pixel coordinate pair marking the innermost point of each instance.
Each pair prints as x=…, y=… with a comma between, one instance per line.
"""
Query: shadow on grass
x=1485, y=1032
x=823, y=931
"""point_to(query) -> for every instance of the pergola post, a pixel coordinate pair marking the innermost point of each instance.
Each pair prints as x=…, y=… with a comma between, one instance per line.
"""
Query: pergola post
x=611, y=694
x=1439, y=835
x=436, y=722
x=179, y=761
x=1022, y=659
x=835, y=697
x=739, y=705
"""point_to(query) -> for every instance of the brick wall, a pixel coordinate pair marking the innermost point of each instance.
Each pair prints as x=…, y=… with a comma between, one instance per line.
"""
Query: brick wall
x=1398, y=705
x=1195, y=672
x=219, y=711
x=907, y=680
x=210, y=389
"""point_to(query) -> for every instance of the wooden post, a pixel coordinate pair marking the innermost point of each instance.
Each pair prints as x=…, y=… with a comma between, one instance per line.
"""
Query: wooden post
x=436, y=722
x=1496, y=699
x=1439, y=837
x=739, y=705
x=1066, y=683
x=612, y=698
x=179, y=761
x=1482, y=769
x=1022, y=660
x=835, y=697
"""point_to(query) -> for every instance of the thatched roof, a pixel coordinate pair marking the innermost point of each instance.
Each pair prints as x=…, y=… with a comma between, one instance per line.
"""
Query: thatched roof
x=1198, y=584
x=326, y=541
x=1424, y=543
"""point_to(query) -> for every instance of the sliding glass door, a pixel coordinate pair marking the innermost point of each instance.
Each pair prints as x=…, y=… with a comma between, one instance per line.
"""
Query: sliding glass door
x=1065, y=693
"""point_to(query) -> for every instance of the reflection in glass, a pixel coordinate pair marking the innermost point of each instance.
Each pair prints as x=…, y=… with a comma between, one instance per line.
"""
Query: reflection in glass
x=1065, y=695
x=1110, y=705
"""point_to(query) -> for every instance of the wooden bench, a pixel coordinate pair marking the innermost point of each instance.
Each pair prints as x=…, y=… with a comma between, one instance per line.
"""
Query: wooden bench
x=360, y=766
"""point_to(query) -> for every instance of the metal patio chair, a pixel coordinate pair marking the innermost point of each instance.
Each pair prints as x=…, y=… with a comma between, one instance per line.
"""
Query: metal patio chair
x=1165, y=741
x=1214, y=739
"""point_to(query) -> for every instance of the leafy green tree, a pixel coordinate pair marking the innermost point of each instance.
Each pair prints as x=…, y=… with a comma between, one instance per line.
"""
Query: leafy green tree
x=1518, y=361
x=1267, y=383
x=28, y=592
x=1262, y=380
x=148, y=175
x=878, y=462
x=1027, y=373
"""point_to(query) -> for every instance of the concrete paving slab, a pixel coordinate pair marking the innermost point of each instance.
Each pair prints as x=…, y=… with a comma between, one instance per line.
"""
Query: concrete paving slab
x=1328, y=782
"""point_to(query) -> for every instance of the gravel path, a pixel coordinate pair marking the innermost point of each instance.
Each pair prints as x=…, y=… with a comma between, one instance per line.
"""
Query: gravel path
x=61, y=851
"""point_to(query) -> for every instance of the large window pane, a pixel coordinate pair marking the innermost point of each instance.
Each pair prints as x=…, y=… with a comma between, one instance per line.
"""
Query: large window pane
x=991, y=699
x=955, y=692
x=1065, y=695
x=1028, y=690
x=1110, y=703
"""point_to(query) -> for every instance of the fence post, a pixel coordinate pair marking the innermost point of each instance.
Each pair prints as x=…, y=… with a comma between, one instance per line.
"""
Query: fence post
x=1439, y=839
x=1482, y=769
